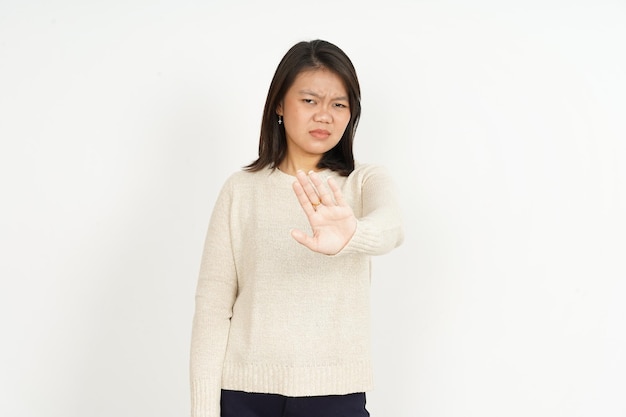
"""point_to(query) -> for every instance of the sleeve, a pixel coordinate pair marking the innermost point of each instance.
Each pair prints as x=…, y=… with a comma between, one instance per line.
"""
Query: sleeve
x=379, y=229
x=215, y=296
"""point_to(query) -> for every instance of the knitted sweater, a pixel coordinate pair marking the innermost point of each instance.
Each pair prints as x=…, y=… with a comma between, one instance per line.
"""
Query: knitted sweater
x=274, y=317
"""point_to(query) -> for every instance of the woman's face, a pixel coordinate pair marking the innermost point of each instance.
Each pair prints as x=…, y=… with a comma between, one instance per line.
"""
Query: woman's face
x=315, y=113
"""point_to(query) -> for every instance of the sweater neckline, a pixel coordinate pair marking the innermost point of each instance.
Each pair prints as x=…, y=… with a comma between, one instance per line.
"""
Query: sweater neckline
x=276, y=171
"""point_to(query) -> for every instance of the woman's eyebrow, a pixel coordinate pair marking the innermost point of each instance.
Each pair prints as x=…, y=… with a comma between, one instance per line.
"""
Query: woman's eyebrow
x=314, y=94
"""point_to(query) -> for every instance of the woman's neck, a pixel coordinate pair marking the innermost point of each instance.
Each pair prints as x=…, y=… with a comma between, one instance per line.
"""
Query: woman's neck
x=291, y=166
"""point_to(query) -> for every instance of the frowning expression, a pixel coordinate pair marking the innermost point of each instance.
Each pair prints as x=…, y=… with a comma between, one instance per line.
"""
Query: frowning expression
x=316, y=111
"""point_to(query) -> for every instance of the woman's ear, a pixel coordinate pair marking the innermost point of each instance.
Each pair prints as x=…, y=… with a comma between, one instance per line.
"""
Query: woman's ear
x=279, y=109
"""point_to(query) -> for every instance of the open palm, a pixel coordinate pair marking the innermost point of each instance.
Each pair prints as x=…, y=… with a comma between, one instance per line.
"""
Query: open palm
x=331, y=218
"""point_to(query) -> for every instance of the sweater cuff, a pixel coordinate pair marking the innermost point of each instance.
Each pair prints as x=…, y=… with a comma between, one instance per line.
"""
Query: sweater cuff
x=371, y=240
x=205, y=398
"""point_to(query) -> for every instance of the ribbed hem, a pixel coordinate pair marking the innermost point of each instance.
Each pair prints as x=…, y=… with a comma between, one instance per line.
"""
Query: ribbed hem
x=205, y=398
x=299, y=381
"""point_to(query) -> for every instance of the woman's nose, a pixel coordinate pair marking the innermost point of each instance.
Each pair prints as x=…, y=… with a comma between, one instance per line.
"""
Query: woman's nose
x=323, y=115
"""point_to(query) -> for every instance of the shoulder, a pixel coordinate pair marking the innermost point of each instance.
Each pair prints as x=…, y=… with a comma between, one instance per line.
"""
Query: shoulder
x=364, y=172
x=366, y=179
x=237, y=184
x=245, y=178
x=367, y=168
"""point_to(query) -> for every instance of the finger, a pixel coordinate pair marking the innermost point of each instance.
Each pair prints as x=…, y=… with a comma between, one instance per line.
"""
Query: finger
x=303, y=239
x=336, y=192
x=308, y=188
x=303, y=199
x=322, y=190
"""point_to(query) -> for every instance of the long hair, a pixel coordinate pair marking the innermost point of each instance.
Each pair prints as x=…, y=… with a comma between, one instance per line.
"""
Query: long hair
x=301, y=57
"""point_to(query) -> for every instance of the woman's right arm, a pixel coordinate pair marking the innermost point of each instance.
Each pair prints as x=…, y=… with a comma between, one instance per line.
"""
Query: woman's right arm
x=215, y=295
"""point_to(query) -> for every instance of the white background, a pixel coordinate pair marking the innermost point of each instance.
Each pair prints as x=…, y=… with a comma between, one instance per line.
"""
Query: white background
x=502, y=122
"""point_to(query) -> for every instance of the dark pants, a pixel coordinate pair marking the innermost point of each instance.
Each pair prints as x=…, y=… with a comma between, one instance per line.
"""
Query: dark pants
x=246, y=404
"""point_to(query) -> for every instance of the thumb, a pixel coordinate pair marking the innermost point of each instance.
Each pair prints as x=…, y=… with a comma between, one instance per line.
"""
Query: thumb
x=302, y=238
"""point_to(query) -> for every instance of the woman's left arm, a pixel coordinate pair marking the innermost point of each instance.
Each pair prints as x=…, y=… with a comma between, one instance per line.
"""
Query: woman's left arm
x=379, y=230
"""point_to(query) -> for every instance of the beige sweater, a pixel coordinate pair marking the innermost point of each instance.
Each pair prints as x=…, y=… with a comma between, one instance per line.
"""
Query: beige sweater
x=274, y=317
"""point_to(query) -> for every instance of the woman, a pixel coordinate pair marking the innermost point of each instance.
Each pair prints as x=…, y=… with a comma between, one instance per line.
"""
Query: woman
x=281, y=326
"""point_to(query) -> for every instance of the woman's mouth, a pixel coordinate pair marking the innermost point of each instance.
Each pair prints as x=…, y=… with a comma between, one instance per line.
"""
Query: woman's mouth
x=319, y=133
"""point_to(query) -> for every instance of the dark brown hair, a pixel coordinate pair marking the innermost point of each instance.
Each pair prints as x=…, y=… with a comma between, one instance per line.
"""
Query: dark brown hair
x=301, y=57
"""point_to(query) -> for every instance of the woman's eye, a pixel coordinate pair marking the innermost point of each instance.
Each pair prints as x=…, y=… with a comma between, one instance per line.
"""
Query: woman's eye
x=341, y=105
x=308, y=100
